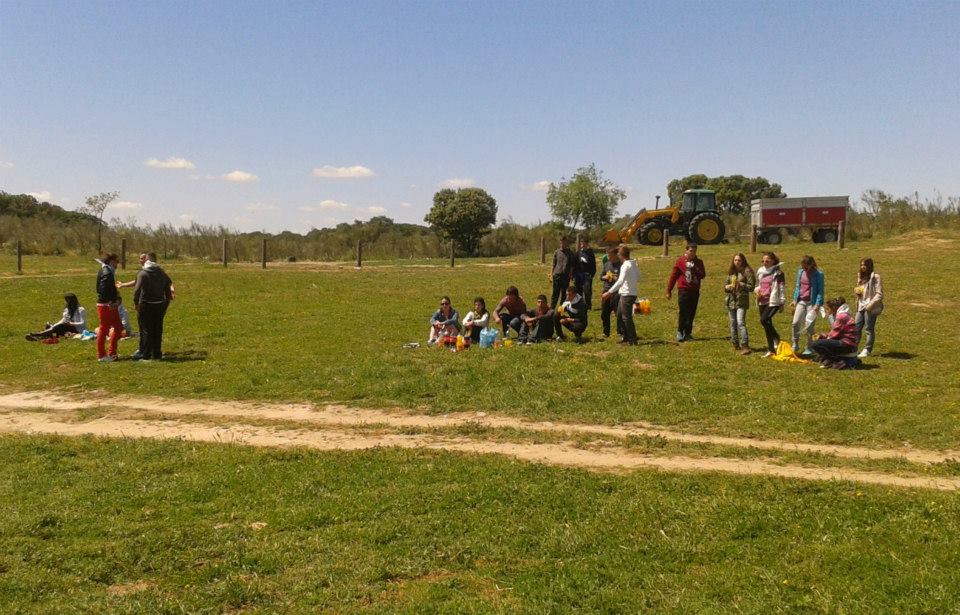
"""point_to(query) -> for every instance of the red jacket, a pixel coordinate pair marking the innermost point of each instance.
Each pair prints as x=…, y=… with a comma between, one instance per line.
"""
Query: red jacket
x=687, y=277
x=844, y=328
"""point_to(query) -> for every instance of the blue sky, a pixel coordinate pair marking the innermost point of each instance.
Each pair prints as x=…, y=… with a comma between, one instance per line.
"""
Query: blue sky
x=289, y=115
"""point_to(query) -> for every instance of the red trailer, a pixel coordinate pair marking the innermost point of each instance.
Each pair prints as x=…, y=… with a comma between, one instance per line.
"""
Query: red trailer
x=822, y=215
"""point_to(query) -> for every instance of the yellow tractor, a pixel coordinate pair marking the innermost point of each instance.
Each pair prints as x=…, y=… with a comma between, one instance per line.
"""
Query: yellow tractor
x=696, y=219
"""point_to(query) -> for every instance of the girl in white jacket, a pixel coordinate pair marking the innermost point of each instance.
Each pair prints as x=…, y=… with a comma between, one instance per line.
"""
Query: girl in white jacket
x=869, y=292
x=770, y=298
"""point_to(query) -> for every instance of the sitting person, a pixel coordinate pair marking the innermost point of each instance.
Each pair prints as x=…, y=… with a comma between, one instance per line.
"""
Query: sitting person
x=572, y=315
x=842, y=339
x=444, y=321
x=74, y=320
x=537, y=323
x=476, y=321
x=509, y=311
x=125, y=320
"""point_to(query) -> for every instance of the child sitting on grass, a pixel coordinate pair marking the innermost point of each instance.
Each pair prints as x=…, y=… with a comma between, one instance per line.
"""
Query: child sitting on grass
x=74, y=320
x=842, y=339
x=444, y=322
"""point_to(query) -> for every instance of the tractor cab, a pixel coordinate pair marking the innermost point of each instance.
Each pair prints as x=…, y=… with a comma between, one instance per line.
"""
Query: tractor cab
x=698, y=201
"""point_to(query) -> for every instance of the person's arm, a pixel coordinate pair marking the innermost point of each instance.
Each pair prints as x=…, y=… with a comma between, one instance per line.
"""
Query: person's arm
x=483, y=321
x=80, y=319
x=496, y=310
x=749, y=281
x=699, y=269
x=454, y=319
x=817, y=297
x=591, y=263
x=138, y=289
x=796, y=290
x=168, y=288
x=877, y=292
x=620, y=278
x=675, y=274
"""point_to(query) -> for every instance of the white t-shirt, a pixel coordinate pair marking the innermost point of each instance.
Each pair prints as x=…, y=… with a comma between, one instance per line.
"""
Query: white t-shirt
x=629, y=281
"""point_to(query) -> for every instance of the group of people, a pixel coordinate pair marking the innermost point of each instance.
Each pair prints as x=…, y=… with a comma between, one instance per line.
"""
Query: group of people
x=152, y=292
x=572, y=276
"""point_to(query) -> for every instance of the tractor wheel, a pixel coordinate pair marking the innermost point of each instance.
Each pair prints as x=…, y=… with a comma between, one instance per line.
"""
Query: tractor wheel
x=706, y=228
x=650, y=234
x=828, y=235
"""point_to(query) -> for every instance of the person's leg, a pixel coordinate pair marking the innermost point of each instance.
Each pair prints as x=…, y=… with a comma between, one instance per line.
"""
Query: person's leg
x=505, y=324
x=809, y=319
x=870, y=327
x=681, y=314
x=557, y=327
x=605, y=315
x=734, y=331
x=434, y=335
x=516, y=324
x=830, y=350
x=797, y=324
x=144, y=335
x=766, y=319
x=103, y=327
x=626, y=317
x=588, y=290
x=742, y=324
x=693, y=300
x=578, y=328
x=158, y=331
x=556, y=292
x=116, y=332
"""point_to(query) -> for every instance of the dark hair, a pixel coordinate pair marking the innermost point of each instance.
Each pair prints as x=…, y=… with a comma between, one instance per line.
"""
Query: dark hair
x=565, y=238
x=733, y=268
x=483, y=304
x=571, y=289
x=72, y=303
x=542, y=298
x=776, y=259
x=611, y=250
x=809, y=262
x=110, y=256
x=152, y=256
x=691, y=245
x=836, y=302
x=447, y=299
x=625, y=250
x=512, y=290
x=869, y=264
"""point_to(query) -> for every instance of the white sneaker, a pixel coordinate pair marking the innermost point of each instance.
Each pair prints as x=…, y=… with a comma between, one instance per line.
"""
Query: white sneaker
x=767, y=354
x=106, y=359
x=863, y=354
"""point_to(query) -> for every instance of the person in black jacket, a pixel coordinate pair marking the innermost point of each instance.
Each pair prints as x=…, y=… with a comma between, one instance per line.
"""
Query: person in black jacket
x=572, y=315
x=586, y=270
x=151, y=296
x=564, y=266
x=108, y=298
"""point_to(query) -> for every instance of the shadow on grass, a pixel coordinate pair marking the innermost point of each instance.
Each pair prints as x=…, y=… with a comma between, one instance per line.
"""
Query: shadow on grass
x=866, y=366
x=902, y=356
x=185, y=356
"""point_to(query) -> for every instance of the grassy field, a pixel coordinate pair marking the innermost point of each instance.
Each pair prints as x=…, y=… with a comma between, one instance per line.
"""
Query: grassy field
x=96, y=525
x=335, y=334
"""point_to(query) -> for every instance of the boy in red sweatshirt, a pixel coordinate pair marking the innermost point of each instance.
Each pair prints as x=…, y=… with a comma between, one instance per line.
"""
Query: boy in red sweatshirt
x=686, y=274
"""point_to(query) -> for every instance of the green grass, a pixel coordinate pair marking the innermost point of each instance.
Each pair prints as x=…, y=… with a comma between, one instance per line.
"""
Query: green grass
x=335, y=334
x=405, y=531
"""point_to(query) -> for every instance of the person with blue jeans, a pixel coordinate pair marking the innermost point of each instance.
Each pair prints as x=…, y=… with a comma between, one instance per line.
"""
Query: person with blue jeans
x=739, y=287
x=869, y=304
x=807, y=300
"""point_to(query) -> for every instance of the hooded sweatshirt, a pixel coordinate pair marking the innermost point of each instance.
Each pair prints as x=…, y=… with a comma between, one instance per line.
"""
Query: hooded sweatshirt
x=770, y=283
x=153, y=285
x=844, y=327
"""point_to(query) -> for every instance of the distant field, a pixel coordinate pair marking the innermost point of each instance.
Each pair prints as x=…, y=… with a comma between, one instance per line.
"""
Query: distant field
x=327, y=333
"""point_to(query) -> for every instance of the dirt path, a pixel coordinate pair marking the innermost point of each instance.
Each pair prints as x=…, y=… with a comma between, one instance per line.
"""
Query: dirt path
x=334, y=428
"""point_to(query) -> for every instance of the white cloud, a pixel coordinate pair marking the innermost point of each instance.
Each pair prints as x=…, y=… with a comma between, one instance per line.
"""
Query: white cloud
x=170, y=163
x=458, y=182
x=330, y=172
x=186, y=217
x=241, y=177
x=259, y=207
x=541, y=186
x=43, y=195
x=325, y=205
x=406, y=205
x=125, y=205
x=6, y=165
x=376, y=210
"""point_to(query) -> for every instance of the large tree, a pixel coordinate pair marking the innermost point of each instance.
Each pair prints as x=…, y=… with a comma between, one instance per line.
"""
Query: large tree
x=586, y=199
x=734, y=192
x=95, y=206
x=463, y=215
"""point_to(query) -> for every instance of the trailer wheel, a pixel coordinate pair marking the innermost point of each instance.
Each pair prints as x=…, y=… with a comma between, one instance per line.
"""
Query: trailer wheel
x=772, y=237
x=827, y=235
x=650, y=234
x=706, y=228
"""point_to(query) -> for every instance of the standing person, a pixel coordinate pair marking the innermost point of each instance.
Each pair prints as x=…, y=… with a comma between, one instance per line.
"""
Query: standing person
x=107, y=301
x=564, y=266
x=73, y=320
x=586, y=270
x=537, y=323
x=445, y=321
x=626, y=286
x=572, y=315
x=609, y=303
x=842, y=339
x=509, y=310
x=807, y=300
x=152, y=293
x=687, y=273
x=770, y=298
x=869, y=304
x=740, y=284
x=477, y=320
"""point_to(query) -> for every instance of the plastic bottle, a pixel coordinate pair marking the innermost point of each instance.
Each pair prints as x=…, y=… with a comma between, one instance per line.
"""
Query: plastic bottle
x=460, y=343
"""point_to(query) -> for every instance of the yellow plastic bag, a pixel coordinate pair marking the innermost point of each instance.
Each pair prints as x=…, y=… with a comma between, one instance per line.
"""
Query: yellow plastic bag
x=786, y=354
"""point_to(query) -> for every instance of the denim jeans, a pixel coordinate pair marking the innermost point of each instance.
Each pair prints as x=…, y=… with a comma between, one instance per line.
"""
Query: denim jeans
x=738, y=326
x=804, y=316
x=867, y=321
x=625, y=317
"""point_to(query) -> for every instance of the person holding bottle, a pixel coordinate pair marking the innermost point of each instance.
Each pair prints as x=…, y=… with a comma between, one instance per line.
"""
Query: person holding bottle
x=770, y=298
x=740, y=284
x=807, y=301
x=869, y=292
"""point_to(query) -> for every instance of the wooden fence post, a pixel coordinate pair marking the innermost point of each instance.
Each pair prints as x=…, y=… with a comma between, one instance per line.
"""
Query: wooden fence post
x=359, y=254
x=224, y=252
x=841, y=234
x=666, y=242
x=19, y=257
x=543, y=250
x=453, y=245
x=263, y=253
x=123, y=253
x=753, y=238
